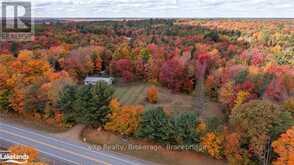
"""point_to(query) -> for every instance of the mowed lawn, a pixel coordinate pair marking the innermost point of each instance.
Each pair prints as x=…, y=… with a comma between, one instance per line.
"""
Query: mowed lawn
x=132, y=94
x=135, y=94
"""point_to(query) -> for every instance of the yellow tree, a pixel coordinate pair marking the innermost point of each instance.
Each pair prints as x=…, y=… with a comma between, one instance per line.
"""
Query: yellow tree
x=124, y=120
x=213, y=144
x=26, y=71
x=242, y=96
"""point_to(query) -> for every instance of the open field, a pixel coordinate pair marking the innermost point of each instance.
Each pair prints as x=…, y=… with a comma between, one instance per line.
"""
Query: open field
x=135, y=93
x=131, y=94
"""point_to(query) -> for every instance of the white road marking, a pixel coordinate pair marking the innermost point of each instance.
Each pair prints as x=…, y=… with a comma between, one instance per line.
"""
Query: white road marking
x=57, y=148
x=46, y=153
x=74, y=145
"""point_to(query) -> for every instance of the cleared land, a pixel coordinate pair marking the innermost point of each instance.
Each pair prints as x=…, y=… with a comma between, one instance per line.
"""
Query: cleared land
x=135, y=94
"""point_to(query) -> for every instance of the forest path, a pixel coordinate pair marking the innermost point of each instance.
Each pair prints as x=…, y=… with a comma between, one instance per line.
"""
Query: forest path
x=200, y=101
x=204, y=107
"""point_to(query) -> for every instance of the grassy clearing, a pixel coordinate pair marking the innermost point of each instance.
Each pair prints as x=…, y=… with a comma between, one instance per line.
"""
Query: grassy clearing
x=131, y=94
x=134, y=94
x=173, y=103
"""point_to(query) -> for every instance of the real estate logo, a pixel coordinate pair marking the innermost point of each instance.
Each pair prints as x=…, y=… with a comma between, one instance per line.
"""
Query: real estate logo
x=16, y=21
x=10, y=158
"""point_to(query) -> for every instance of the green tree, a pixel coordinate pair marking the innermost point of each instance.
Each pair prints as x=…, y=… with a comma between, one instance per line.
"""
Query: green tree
x=185, y=126
x=35, y=100
x=258, y=123
x=145, y=55
x=13, y=49
x=4, y=100
x=155, y=125
x=87, y=104
x=66, y=103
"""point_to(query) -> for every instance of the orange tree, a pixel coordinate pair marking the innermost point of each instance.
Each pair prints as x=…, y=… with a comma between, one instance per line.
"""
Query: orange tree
x=152, y=94
x=21, y=149
x=213, y=144
x=124, y=120
x=284, y=147
x=31, y=152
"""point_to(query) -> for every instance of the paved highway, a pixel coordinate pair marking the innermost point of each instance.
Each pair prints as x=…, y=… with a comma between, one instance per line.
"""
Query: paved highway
x=60, y=149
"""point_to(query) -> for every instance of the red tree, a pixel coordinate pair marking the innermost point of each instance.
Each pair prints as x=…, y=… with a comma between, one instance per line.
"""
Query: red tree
x=172, y=75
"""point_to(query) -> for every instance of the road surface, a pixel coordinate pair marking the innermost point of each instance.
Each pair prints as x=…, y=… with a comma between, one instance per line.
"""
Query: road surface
x=72, y=153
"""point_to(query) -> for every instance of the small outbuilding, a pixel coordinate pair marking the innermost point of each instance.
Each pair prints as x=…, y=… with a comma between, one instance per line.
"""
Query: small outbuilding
x=93, y=80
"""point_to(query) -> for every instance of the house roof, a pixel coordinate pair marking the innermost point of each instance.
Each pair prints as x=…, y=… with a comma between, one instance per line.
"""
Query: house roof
x=97, y=78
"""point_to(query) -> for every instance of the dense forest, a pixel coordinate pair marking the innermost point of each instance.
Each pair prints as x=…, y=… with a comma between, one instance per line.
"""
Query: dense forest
x=246, y=66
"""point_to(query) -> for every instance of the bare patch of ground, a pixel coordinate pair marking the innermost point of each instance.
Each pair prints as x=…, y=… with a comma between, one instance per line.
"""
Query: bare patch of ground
x=72, y=134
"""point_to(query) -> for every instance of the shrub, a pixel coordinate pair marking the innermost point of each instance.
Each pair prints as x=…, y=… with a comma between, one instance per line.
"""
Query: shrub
x=152, y=94
x=155, y=125
x=125, y=120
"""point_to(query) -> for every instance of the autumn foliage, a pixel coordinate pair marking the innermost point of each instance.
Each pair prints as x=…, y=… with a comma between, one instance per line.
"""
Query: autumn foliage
x=284, y=147
x=152, y=94
x=246, y=67
x=21, y=149
x=124, y=119
x=213, y=144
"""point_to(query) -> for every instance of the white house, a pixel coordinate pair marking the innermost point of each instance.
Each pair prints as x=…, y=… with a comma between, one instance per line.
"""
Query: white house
x=94, y=80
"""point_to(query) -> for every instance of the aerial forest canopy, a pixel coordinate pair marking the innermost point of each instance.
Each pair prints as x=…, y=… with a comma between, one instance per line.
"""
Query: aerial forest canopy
x=245, y=66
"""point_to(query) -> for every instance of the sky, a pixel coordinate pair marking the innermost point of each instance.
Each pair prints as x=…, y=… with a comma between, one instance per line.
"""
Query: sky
x=163, y=8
